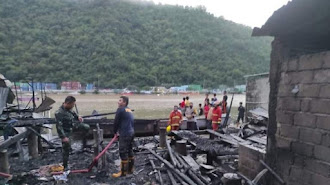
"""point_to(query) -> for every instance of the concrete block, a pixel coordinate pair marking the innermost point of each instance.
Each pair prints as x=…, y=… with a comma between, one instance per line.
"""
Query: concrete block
x=297, y=174
x=283, y=143
x=283, y=168
x=308, y=135
x=325, y=91
x=305, y=120
x=301, y=77
x=322, y=153
x=326, y=139
x=289, y=131
x=285, y=90
x=244, y=161
x=323, y=122
x=303, y=148
x=292, y=65
x=307, y=62
x=285, y=157
x=250, y=153
x=309, y=90
x=320, y=106
x=299, y=161
x=284, y=117
x=305, y=105
x=320, y=180
x=322, y=76
x=247, y=172
x=288, y=103
x=285, y=78
x=317, y=166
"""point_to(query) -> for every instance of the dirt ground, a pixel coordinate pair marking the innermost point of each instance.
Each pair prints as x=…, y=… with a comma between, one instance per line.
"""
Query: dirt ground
x=145, y=106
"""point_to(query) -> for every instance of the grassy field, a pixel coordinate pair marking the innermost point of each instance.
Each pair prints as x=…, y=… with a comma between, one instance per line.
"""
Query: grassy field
x=145, y=106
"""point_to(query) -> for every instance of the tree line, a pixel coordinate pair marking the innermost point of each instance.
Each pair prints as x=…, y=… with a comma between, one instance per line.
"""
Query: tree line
x=122, y=43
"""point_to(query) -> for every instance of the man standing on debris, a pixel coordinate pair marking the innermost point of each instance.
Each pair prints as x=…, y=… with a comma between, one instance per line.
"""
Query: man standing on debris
x=206, y=108
x=201, y=110
x=214, y=99
x=241, y=111
x=66, y=120
x=216, y=116
x=183, y=105
x=206, y=98
x=124, y=124
x=191, y=112
x=187, y=102
x=175, y=119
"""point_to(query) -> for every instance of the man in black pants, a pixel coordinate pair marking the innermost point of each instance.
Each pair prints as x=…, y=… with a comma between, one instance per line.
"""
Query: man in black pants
x=241, y=111
x=124, y=124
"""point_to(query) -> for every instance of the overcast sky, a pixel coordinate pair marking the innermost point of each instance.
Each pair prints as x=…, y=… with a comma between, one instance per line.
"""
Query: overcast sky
x=253, y=13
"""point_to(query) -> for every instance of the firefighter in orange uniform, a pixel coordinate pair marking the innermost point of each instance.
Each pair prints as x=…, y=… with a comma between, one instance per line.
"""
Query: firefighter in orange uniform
x=175, y=119
x=216, y=116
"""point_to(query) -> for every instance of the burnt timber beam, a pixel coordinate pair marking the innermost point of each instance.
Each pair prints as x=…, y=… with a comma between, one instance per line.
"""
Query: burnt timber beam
x=13, y=140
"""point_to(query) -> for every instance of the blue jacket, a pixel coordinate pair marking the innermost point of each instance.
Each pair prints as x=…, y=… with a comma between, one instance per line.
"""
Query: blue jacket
x=124, y=122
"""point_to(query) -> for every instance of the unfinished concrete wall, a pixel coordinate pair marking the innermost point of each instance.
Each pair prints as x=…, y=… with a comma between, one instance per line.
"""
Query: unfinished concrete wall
x=301, y=147
x=257, y=92
x=249, y=157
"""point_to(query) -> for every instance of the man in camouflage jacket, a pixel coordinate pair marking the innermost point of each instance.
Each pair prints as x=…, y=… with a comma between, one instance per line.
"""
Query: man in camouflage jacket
x=67, y=120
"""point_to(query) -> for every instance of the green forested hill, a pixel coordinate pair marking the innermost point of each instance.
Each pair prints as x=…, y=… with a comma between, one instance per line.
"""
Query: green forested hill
x=125, y=43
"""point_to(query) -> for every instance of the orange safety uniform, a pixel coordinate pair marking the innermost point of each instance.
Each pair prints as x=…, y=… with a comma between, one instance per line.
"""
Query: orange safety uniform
x=206, y=110
x=216, y=118
x=175, y=120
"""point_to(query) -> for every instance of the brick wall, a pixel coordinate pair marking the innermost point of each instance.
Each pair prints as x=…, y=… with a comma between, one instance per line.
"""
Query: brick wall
x=303, y=120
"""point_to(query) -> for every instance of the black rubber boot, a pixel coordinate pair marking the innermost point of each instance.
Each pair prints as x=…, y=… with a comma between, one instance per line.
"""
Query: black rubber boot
x=130, y=165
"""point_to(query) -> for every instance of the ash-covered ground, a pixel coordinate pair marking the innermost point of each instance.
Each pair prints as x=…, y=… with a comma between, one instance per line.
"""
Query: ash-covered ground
x=81, y=160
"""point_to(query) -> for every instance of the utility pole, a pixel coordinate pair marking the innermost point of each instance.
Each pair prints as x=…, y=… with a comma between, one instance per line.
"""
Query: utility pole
x=98, y=82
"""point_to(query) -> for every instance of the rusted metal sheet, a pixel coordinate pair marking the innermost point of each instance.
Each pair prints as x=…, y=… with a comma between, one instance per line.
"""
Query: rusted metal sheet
x=142, y=127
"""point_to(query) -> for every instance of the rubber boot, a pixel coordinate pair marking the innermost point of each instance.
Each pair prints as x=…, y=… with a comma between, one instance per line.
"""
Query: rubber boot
x=84, y=144
x=123, y=169
x=65, y=165
x=130, y=165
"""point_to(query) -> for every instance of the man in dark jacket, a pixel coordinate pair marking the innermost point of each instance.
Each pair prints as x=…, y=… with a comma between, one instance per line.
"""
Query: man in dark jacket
x=124, y=125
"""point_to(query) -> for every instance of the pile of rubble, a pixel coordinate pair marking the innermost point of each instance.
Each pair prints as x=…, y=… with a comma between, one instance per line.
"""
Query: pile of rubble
x=186, y=157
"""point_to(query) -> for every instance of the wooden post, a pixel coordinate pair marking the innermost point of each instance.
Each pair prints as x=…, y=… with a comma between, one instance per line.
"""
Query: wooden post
x=181, y=147
x=162, y=137
x=96, y=143
x=103, y=158
x=40, y=149
x=98, y=137
x=209, y=159
x=4, y=164
x=20, y=150
x=33, y=145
